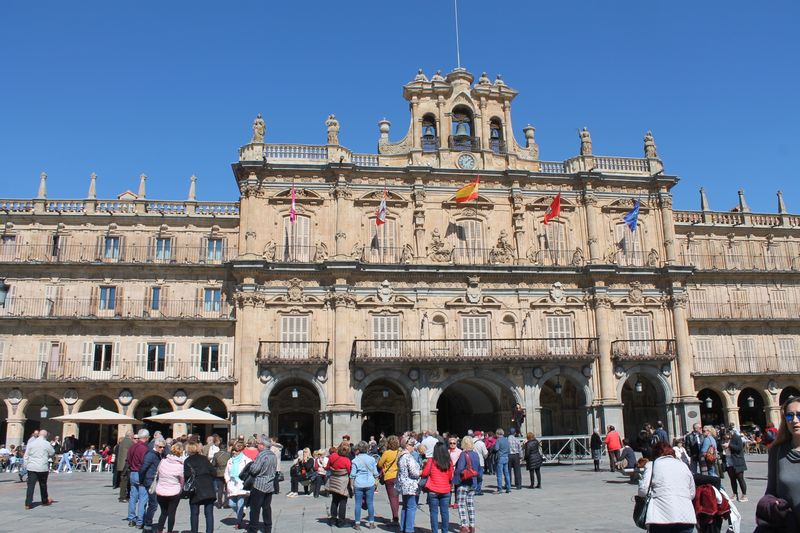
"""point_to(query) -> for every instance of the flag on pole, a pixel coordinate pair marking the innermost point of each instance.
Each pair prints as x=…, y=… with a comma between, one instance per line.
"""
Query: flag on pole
x=554, y=210
x=468, y=192
x=292, y=209
x=380, y=219
x=632, y=216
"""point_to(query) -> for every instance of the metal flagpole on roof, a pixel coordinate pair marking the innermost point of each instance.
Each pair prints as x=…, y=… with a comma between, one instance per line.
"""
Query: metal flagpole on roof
x=458, y=46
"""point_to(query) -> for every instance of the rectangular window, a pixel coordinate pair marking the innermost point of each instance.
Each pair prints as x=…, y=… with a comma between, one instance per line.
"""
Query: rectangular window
x=103, y=357
x=787, y=355
x=4, y=292
x=629, y=246
x=704, y=361
x=297, y=239
x=212, y=299
x=383, y=243
x=698, y=303
x=777, y=300
x=111, y=248
x=156, y=357
x=560, y=335
x=386, y=332
x=294, y=336
x=55, y=246
x=163, y=249
x=469, y=242
x=639, y=335
x=155, y=298
x=554, y=244
x=476, y=335
x=214, y=250
x=108, y=298
x=209, y=357
x=739, y=304
x=8, y=247
x=703, y=348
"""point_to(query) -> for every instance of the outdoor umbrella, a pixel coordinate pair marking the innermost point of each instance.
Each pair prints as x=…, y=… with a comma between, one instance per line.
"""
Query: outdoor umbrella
x=97, y=416
x=190, y=416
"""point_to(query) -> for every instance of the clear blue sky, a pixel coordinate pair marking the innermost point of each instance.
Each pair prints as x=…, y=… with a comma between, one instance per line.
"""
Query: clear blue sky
x=170, y=88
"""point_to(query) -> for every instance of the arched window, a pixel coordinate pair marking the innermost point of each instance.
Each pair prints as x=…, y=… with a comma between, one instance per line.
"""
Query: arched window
x=469, y=249
x=497, y=143
x=463, y=130
x=430, y=137
x=383, y=242
x=297, y=239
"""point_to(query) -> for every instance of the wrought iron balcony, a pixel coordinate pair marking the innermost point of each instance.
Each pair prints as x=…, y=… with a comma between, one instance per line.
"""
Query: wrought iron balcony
x=117, y=308
x=497, y=146
x=729, y=364
x=464, y=143
x=430, y=143
x=89, y=370
x=756, y=262
x=743, y=311
x=126, y=254
x=293, y=352
x=436, y=351
x=643, y=350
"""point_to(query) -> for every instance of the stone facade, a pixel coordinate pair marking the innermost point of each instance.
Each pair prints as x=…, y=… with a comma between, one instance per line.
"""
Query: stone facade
x=294, y=313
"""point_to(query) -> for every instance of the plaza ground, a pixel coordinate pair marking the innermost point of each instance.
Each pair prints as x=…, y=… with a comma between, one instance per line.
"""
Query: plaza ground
x=573, y=498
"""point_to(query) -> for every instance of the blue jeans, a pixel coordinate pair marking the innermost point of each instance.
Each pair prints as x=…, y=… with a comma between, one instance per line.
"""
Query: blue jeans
x=369, y=494
x=64, y=462
x=503, y=473
x=237, y=504
x=150, y=511
x=479, y=488
x=440, y=505
x=138, y=500
x=408, y=513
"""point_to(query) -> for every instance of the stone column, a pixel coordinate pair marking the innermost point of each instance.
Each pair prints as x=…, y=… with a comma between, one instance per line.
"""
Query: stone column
x=178, y=429
x=590, y=203
x=773, y=413
x=602, y=310
x=15, y=431
x=122, y=429
x=70, y=428
x=688, y=405
x=668, y=225
x=732, y=415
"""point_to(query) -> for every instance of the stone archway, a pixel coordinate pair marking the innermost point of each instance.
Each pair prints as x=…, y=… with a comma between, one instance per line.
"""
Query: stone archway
x=214, y=406
x=386, y=409
x=751, y=409
x=788, y=392
x=645, y=395
x=294, y=406
x=35, y=420
x=153, y=405
x=563, y=407
x=474, y=402
x=98, y=434
x=712, y=407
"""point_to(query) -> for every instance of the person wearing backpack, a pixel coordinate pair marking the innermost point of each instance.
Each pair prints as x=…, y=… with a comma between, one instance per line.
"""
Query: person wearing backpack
x=708, y=452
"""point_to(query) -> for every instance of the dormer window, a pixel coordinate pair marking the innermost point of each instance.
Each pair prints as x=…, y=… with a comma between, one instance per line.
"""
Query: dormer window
x=463, y=138
x=496, y=142
x=430, y=137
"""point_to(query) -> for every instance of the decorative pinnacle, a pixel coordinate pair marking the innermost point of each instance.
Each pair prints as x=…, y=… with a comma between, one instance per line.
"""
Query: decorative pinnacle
x=42, y=186
x=92, y=195
x=142, y=187
x=703, y=200
x=192, y=188
x=743, y=207
x=781, y=205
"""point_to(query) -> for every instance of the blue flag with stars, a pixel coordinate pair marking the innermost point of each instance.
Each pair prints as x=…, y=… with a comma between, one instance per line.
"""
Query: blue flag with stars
x=632, y=216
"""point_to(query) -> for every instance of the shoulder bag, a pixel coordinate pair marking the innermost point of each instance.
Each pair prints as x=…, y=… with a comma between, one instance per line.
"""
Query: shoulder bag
x=423, y=479
x=468, y=472
x=641, y=504
x=247, y=476
x=189, y=484
x=385, y=469
x=152, y=489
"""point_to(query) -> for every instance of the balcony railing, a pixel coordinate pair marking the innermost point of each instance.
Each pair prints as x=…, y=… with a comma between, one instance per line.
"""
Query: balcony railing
x=741, y=262
x=421, y=350
x=622, y=164
x=643, y=350
x=118, y=308
x=293, y=352
x=563, y=258
x=128, y=254
x=31, y=370
x=429, y=143
x=634, y=259
x=743, y=311
x=464, y=143
x=497, y=146
x=721, y=365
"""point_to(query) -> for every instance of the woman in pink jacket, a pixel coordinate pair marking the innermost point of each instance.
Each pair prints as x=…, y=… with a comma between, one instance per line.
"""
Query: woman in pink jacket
x=169, y=486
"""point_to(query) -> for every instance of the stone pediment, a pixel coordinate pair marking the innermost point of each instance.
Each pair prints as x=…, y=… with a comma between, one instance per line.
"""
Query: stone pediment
x=374, y=198
x=548, y=301
x=285, y=300
x=625, y=204
x=463, y=98
x=302, y=196
x=481, y=202
x=543, y=202
x=393, y=302
x=482, y=302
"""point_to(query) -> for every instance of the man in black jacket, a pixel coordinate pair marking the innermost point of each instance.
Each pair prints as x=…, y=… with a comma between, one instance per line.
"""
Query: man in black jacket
x=693, y=442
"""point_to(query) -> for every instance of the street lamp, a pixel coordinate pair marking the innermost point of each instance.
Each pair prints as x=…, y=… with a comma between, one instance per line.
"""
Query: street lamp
x=207, y=409
x=385, y=393
x=153, y=411
x=751, y=402
x=638, y=387
x=709, y=403
x=43, y=411
x=558, y=388
x=295, y=393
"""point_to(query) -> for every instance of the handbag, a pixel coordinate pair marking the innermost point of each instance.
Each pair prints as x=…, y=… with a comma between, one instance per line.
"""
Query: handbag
x=339, y=482
x=152, y=489
x=423, y=479
x=641, y=504
x=247, y=477
x=381, y=480
x=189, y=484
x=468, y=472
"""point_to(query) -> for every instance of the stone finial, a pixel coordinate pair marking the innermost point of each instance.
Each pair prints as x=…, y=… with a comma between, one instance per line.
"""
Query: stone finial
x=333, y=129
x=499, y=80
x=42, y=186
x=420, y=76
x=438, y=76
x=259, y=129
x=529, y=132
x=192, y=188
x=384, y=126
x=743, y=207
x=650, y=146
x=142, y=187
x=703, y=200
x=92, y=195
x=484, y=79
x=781, y=205
x=586, y=141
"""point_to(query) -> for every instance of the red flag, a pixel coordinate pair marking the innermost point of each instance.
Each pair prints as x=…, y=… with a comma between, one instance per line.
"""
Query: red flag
x=380, y=219
x=554, y=210
x=468, y=192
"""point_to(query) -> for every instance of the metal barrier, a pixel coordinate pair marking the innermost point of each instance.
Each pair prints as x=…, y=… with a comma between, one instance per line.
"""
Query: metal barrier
x=567, y=448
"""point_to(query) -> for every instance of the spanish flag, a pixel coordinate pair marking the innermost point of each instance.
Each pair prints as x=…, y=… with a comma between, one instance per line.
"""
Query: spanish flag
x=554, y=210
x=468, y=192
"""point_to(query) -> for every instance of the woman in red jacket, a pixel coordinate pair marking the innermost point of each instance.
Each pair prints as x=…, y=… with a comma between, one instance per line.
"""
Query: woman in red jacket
x=439, y=471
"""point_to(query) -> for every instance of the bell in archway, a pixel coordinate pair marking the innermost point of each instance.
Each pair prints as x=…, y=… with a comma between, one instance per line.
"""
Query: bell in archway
x=428, y=131
x=461, y=130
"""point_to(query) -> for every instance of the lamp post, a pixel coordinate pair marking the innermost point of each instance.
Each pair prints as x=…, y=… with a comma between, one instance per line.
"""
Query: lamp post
x=751, y=402
x=153, y=411
x=709, y=403
x=638, y=387
x=295, y=393
x=43, y=411
x=558, y=388
x=207, y=409
x=385, y=393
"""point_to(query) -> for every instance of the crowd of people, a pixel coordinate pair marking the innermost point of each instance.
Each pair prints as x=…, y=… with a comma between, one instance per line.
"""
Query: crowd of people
x=681, y=478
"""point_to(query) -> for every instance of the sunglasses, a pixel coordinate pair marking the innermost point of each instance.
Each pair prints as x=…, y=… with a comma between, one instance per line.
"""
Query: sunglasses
x=789, y=416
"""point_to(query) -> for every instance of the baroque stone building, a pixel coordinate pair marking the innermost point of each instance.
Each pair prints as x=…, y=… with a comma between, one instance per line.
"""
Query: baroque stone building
x=293, y=313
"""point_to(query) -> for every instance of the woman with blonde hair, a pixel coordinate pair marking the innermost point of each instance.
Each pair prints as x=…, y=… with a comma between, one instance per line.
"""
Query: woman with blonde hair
x=465, y=479
x=169, y=486
x=387, y=465
x=709, y=452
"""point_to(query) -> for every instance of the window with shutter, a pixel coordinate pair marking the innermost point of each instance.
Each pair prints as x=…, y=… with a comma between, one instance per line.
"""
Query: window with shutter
x=383, y=242
x=209, y=357
x=108, y=299
x=163, y=249
x=639, y=335
x=554, y=243
x=156, y=357
x=777, y=300
x=560, y=335
x=746, y=355
x=698, y=303
x=212, y=298
x=630, y=247
x=787, y=355
x=475, y=330
x=8, y=247
x=294, y=336
x=111, y=248
x=50, y=294
x=733, y=256
x=469, y=242
x=103, y=357
x=214, y=251
x=704, y=355
x=739, y=303
x=386, y=334
x=297, y=239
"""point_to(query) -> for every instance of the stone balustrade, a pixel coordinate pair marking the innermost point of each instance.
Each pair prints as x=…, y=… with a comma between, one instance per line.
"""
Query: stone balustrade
x=21, y=370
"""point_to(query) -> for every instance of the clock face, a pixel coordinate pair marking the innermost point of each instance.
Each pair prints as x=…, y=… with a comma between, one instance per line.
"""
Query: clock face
x=466, y=161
